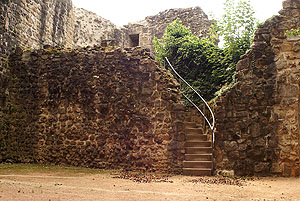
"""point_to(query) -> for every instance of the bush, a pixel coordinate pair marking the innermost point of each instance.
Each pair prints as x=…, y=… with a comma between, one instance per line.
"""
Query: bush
x=202, y=64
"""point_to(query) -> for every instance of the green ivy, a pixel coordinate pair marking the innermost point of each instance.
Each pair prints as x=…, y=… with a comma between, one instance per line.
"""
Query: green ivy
x=201, y=63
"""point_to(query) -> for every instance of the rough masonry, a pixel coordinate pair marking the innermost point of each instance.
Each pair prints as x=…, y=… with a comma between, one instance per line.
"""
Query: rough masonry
x=109, y=107
x=100, y=107
x=142, y=33
x=90, y=29
x=32, y=24
x=257, y=131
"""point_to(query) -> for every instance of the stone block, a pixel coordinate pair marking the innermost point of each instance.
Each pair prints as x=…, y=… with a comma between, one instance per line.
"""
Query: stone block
x=234, y=155
x=288, y=90
x=286, y=170
x=241, y=114
x=296, y=46
x=225, y=173
x=243, y=147
x=244, y=167
x=243, y=64
x=230, y=146
x=243, y=155
x=179, y=107
x=291, y=4
x=260, y=142
x=165, y=95
x=255, y=154
x=286, y=47
x=180, y=127
x=255, y=130
x=147, y=91
x=262, y=167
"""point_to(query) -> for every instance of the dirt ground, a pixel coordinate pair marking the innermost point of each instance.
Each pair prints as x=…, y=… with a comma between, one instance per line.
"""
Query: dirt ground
x=53, y=183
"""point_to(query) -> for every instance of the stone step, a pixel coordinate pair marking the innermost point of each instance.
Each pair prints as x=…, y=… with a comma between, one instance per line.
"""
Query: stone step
x=197, y=144
x=198, y=157
x=190, y=125
x=197, y=171
x=195, y=137
x=198, y=150
x=198, y=164
x=190, y=131
x=188, y=118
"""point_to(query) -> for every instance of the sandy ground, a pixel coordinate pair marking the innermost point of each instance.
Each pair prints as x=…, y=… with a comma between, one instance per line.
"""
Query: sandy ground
x=38, y=183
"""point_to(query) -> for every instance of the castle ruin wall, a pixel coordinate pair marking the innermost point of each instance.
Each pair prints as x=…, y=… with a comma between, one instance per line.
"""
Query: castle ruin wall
x=32, y=24
x=100, y=107
x=257, y=121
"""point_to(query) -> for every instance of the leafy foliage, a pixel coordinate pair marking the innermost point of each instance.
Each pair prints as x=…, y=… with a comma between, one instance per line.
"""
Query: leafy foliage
x=236, y=27
x=201, y=63
x=293, y=32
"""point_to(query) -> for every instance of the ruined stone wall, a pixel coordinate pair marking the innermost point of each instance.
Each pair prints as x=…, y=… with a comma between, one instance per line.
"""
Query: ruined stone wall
x=91, y=29
x=287, y=108
x=33, y=24
x=194, y=18
x=257, y=131
x=101, y=107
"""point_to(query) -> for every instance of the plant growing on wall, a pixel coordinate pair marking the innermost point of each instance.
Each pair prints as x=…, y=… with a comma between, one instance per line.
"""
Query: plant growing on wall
x=201, y=63
x=293, y=32
x=206, y=66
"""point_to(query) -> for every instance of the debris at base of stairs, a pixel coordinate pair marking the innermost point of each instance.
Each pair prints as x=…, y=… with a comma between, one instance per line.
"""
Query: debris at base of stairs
x=143, y=177
x=221, y=180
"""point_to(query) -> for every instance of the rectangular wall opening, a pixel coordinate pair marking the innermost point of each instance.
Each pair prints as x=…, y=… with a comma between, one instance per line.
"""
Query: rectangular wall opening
x=134, y=40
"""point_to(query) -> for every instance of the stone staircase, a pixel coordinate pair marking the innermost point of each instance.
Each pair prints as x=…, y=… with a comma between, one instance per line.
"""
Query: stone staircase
x=198, y=159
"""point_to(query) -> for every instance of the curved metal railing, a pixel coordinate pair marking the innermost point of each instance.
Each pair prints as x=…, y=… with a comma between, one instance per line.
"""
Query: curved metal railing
x=210, y=124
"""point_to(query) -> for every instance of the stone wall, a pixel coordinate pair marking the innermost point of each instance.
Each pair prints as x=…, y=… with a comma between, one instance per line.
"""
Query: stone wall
x=33, y=24
x=101, y=107
x=257, y=130
x=194, y=18
x=91, y=29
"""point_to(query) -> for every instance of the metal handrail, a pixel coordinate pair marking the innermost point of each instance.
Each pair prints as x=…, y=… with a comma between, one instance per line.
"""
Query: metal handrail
x=211, y=125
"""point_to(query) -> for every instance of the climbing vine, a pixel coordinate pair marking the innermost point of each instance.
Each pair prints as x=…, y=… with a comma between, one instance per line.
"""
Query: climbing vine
x=206, y=66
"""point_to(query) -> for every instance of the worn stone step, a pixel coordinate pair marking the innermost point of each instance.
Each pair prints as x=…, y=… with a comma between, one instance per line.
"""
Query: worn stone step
x=198, y=150
x=195, y=137
x=197, y=171
x=190, y=125
x=190, y=131
x=198, y=164
x=198, y=157
x=188, y=118
x=197, y=144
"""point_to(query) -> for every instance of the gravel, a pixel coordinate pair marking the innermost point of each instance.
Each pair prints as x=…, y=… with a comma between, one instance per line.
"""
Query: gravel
x=220, y=180
x=143, y=178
